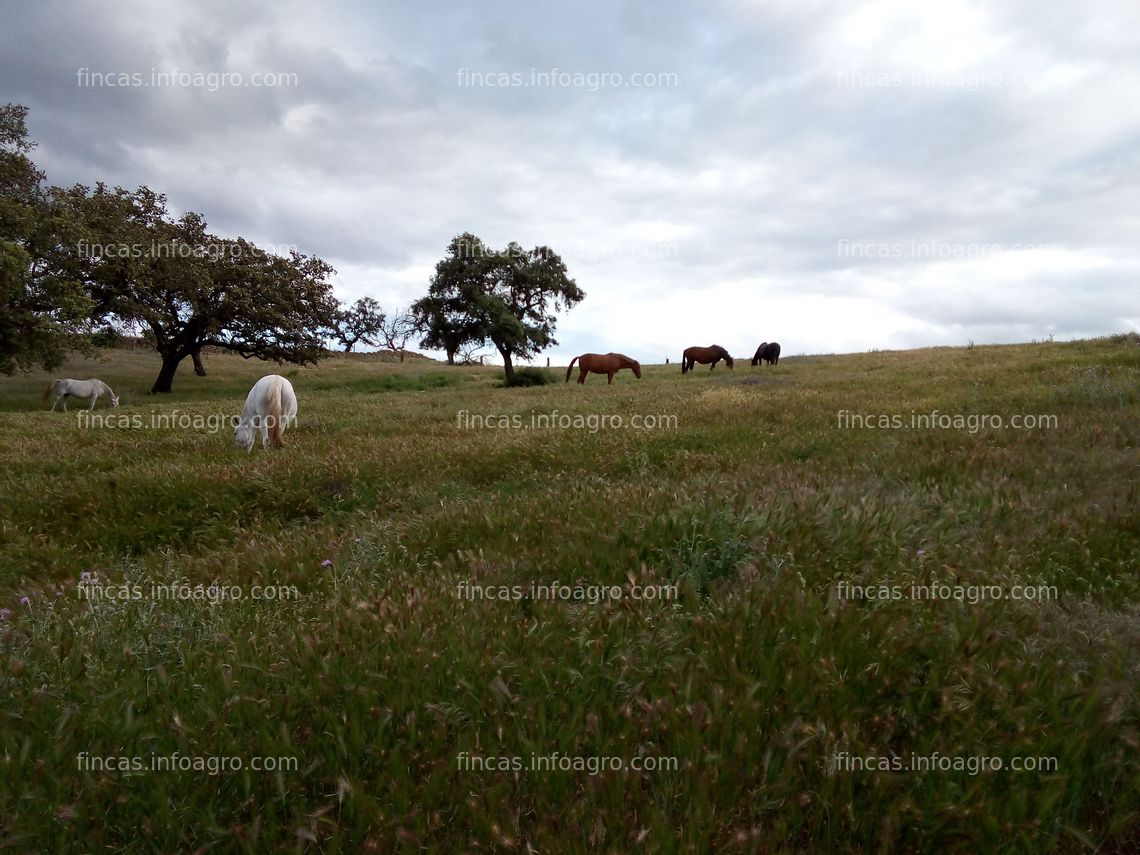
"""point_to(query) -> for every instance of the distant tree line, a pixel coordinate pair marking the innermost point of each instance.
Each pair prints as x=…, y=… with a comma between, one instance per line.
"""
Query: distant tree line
x=80, y=266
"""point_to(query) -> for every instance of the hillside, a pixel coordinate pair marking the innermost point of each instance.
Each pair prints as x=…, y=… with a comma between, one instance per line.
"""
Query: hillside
x=779, y=501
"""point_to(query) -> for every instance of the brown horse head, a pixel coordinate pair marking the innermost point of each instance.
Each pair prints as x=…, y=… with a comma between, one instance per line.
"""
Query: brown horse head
x=624, y=361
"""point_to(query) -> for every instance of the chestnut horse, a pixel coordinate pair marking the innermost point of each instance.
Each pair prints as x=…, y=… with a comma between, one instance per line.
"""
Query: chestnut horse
x=769, y=352
x=704, y=355
x=597, y=363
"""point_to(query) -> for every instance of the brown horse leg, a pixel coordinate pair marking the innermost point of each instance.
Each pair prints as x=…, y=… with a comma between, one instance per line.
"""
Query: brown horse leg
x=582, y=375
x=611, y=378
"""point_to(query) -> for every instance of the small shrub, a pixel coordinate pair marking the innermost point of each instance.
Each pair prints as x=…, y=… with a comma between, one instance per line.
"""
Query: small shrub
x=530, y=377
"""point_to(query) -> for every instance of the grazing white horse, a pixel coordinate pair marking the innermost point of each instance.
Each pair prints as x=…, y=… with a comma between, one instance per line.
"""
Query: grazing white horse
x=93, y=388
x=269, y=407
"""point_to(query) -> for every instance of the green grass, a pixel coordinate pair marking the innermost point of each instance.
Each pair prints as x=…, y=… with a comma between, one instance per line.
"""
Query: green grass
x=754, y=500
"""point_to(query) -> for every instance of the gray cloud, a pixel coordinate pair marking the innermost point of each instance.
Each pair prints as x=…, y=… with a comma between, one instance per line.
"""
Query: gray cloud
x=737, y=199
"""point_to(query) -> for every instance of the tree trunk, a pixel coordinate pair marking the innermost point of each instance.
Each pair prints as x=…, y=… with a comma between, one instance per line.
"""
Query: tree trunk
x=451, y=356
x=401, y=354
x=199, y=368
x=165, y=379
x=508, y=366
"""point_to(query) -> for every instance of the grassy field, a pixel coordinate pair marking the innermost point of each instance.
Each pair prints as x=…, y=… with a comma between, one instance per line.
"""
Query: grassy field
x=773, y=687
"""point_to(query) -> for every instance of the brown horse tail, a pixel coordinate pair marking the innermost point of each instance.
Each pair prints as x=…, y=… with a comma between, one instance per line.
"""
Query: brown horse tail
x=570, y=367
x=275, y=416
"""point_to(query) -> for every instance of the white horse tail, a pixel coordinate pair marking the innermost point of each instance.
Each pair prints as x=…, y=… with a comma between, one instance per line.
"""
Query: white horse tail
x=275, y=426
x=47, y=391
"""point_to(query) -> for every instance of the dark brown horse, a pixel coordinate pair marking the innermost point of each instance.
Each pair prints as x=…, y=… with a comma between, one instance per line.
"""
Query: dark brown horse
x=597, y=363
x=769, y=352
x=704, y=355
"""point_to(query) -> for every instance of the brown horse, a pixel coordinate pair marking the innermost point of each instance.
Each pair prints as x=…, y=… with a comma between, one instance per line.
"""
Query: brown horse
x=767, y=352
x=704, y=355
x=597, y=363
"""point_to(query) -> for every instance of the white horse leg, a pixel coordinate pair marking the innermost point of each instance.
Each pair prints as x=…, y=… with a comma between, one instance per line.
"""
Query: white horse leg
x=65, y=403
x=94, y=398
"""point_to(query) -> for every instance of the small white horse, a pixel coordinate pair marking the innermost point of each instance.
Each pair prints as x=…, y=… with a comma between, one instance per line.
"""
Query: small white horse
x=269, y=407
x=93, y=388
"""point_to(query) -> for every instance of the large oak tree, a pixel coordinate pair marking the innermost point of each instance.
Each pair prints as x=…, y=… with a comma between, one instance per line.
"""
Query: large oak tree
x=190, y=289
x=510, y=297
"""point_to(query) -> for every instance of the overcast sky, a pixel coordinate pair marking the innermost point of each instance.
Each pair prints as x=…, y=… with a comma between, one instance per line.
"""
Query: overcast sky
x=834, y=176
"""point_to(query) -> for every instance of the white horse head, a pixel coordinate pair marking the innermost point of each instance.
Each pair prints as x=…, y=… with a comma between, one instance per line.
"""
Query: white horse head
x=243, y=436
